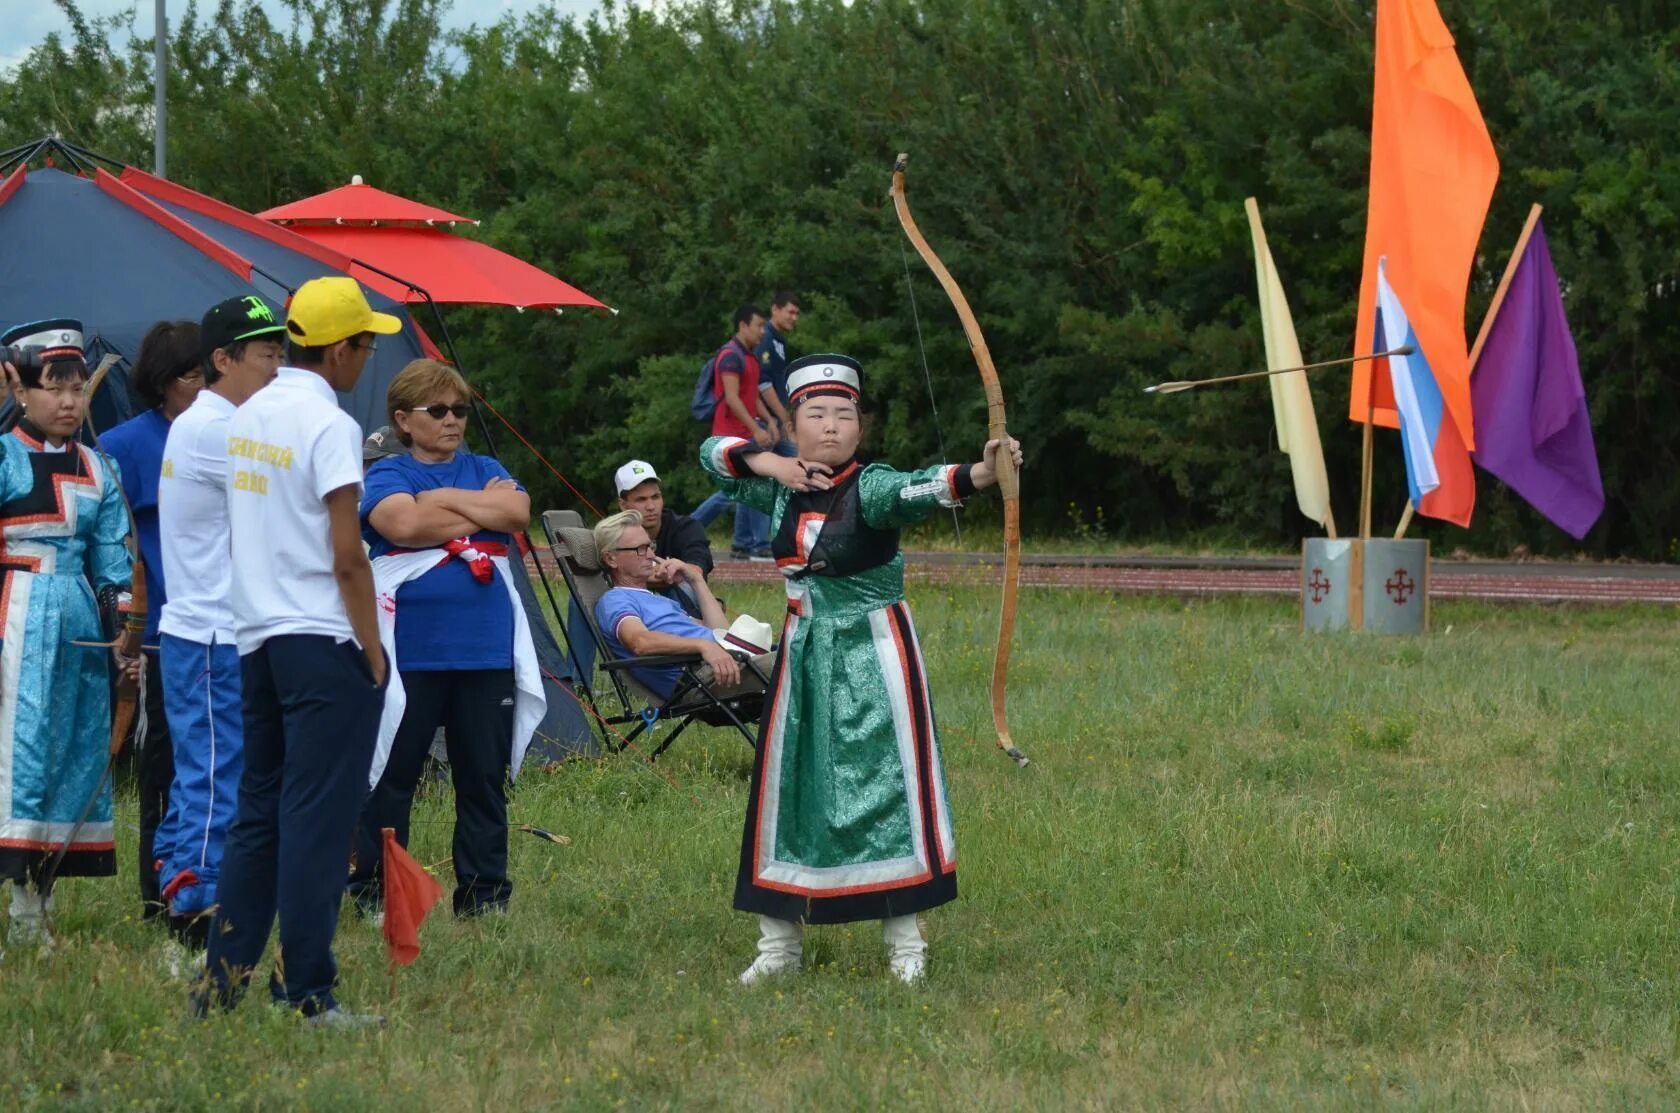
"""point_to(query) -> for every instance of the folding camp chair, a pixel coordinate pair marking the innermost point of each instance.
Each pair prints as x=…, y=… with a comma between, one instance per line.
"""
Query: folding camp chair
x=695, y=697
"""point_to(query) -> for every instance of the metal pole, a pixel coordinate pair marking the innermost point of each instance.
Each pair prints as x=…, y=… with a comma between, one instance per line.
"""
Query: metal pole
x=160, y=78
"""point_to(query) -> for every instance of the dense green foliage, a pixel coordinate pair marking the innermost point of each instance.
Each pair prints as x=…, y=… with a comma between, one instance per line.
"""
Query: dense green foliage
x=1245, y=870
x=1080, y=165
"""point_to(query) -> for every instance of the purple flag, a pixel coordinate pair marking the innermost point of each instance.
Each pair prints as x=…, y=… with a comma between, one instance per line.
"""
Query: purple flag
x=1532, y=427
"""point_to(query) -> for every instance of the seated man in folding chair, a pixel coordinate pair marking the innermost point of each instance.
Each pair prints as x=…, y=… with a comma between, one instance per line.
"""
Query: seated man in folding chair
x=636, y=622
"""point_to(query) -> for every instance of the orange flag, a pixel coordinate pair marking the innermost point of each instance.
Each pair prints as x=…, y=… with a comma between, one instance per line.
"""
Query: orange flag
x=1432, y=174
x=410, y=893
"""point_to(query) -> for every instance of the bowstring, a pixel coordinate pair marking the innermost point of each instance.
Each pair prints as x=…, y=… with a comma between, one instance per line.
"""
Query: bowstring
x=927, y=375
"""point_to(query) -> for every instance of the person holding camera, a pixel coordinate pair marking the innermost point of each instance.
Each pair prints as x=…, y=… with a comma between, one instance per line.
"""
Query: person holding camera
x=62, y=532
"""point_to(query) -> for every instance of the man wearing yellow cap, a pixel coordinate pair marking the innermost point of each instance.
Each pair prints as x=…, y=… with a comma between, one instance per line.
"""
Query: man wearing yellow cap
x=311, y=666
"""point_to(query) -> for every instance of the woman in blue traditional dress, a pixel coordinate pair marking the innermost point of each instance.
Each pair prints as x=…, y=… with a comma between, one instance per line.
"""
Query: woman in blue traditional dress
x=847, y=816
x=62, y=531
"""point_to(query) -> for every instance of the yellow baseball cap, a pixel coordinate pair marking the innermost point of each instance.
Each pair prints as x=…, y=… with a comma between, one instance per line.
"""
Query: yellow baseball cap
x=327, y=310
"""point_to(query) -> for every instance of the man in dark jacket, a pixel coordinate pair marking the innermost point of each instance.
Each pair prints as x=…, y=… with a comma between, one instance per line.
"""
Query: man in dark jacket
x=677, y=540
x=674, y=536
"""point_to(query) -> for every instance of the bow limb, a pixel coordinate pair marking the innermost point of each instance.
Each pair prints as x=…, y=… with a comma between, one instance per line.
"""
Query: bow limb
x=997, y=429
x=129, y=639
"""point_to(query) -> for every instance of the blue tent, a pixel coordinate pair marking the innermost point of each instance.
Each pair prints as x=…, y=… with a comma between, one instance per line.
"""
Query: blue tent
x=101, y=251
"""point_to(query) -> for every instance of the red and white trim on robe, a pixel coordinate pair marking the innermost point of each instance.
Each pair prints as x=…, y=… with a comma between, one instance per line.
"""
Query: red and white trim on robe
x=721, y=456
x=942, y=486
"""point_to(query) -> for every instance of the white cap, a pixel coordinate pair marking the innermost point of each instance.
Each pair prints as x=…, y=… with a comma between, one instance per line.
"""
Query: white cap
x=633, y=475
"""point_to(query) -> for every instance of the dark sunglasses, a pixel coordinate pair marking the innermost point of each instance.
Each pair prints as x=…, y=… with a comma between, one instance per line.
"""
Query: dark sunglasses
x=438, y=411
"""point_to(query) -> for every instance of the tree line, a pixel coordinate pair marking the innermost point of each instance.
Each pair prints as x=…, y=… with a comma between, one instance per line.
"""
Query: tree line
x=1080, y=165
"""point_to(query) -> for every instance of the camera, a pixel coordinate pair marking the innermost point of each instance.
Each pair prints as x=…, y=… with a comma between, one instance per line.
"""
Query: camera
x=24, y=359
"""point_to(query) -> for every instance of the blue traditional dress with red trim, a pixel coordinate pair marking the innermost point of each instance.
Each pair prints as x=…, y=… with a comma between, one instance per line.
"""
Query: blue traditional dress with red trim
x=848, y=818
x=62, y=524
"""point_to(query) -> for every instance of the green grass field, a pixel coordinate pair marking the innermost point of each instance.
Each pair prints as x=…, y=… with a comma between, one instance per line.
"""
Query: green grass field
x=1246, y=868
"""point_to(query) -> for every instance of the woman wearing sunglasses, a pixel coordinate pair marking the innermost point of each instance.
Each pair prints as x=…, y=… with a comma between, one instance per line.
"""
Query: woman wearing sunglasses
x=438, y=522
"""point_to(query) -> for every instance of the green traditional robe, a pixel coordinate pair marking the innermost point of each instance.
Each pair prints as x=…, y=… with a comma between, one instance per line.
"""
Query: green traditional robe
x=848, y=817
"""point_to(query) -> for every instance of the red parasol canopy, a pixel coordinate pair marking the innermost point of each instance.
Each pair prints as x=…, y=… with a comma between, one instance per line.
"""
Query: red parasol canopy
x=359, y=203
x=401, y=238
x=452, y=269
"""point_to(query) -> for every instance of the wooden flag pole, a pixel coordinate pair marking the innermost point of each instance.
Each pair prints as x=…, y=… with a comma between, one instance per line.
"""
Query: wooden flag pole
x=1365, y=456
x=1499, y=293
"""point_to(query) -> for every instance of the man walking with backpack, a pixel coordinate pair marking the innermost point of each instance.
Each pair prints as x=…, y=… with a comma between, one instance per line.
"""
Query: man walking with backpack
x=742, y=406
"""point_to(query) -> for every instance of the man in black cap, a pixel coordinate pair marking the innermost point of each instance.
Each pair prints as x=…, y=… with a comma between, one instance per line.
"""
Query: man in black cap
x=240, y=348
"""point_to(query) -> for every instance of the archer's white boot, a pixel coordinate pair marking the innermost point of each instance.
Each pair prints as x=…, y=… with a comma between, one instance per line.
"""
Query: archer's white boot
x=780, y=945
x=906, y=949
x=28, y=927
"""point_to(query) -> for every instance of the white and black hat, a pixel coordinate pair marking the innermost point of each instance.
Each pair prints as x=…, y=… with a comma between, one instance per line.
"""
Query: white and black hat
x=829, y=374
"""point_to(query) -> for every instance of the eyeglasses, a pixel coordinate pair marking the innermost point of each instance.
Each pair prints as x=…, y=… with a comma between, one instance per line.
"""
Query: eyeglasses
x=644, y=549
x=438, y=411
x=370, y=346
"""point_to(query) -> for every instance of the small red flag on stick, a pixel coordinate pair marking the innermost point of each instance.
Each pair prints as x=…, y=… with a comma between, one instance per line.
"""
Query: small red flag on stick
x=410, y=893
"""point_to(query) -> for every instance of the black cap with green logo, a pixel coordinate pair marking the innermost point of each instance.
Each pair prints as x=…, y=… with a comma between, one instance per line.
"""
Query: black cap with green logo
x=238, y=319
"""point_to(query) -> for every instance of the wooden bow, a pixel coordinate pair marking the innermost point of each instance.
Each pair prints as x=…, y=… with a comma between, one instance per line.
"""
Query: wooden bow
x=997, y=429
x=127, y=643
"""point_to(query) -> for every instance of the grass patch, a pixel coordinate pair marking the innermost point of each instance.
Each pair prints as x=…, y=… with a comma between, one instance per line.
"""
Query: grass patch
x=1245, y=868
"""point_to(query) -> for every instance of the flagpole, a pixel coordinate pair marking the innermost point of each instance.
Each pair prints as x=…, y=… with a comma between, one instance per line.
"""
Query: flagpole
x=160, y=92
x=1488, y=318
x=1504, y=285
x=1365, y=463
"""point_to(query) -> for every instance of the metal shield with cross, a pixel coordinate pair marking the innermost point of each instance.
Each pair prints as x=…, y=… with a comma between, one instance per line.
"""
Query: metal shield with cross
x=1326, y=572
x=1396, y=587
x=1376, y=585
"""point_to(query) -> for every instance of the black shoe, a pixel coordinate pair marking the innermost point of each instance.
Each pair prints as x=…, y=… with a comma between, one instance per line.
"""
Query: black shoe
x=739, y=554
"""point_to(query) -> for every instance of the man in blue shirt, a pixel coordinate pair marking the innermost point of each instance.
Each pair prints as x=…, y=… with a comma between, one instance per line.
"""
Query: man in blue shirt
x=166, y=375
x=636, y=622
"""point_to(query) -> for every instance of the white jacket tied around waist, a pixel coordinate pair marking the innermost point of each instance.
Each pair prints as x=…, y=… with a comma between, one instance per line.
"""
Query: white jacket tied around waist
x=390, y=573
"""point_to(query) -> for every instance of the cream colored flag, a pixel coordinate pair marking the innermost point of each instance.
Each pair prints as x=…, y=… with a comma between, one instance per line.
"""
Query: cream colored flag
x=1292, y=406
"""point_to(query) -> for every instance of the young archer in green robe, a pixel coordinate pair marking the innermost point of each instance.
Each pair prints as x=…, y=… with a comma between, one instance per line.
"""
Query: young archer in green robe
x=848, y=817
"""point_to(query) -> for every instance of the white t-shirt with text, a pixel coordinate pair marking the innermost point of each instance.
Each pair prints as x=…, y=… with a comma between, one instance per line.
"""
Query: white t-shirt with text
x=193, y=523
x=288, y=448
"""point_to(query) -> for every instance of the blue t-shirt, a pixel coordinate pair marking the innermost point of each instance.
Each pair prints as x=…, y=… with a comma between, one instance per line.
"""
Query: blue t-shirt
x=658, y=613
x=445, y=619
x=137, y=447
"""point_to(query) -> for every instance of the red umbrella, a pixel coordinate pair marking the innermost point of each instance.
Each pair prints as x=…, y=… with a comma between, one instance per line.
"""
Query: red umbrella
x=359, y=203
x=402, y=238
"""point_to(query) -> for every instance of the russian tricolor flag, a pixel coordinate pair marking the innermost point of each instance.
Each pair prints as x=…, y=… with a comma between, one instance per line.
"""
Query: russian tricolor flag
x=1438, y=473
